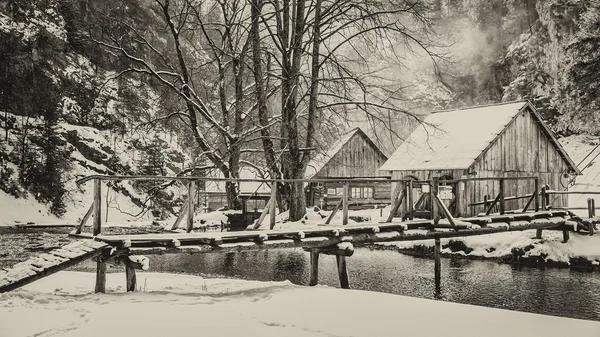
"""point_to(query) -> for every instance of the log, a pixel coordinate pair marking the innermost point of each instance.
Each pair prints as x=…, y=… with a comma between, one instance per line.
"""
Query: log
x=396, y=206
x=345, y=205
x=565, y=236
x=538, y=233
x=86, y=217
x=263, y=215
x=314, y=268
x=182, y=214
x=272, y=212
x=97, y=207
x=130, y=278
x=330, y=217
x=342, y=248
x=100, y=276
x=437, y=262
x=343, y=272
x=190, y=211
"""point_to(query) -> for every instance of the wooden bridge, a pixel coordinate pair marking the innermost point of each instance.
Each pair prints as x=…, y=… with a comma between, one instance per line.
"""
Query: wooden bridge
x=328, y=239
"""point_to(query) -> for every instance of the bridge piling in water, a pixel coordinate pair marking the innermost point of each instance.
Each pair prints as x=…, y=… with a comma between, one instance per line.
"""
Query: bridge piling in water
x=437, y=262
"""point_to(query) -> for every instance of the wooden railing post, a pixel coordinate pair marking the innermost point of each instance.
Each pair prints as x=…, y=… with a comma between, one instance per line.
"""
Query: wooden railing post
x=536, y=187
x=314, y=268
x=544, y=205
x=97, y=207
x=342, y=271
x=273, y=205
x=100, y=275
x=486, y=202
x=502, y=206
x=591, y=214
x=434, y=206
x=345, y=205
x=437, y=262
x=410, y=200
x=190, y=210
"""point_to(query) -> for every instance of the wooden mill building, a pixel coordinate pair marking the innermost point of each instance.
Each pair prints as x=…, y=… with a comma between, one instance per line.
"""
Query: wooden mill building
x=502, y=140
x=354, y=155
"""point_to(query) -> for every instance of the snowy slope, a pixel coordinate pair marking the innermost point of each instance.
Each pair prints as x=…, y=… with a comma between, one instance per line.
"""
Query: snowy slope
x=579, y=147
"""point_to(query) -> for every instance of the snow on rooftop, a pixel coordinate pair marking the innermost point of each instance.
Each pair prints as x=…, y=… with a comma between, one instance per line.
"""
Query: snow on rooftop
x=452, y=139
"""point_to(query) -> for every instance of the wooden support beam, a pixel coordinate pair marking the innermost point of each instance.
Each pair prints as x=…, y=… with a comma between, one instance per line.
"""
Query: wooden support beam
x=544, y=199
x=536, y=201
x=489, y=210
x=396, y=206
x=531, y=199
x=272, y=205
x=263, y=215
x=437, y=262
x=314, y=268
x=501, y=194
x=538, y=233
x=411, y=207
x=343, y=272
x=343, y=248
x=190, y=211
x=130, y=278
x=97, y=207
x=435, y=212
x=565, y=235
x=337, y=207
x=86, y=217
x=446, y=212
x=100, y=275
x=458, y=199
x=182, y=214
x=345, y=205
x=591, y=211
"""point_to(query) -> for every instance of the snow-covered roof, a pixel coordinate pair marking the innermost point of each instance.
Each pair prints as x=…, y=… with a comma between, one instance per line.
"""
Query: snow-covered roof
x=454, y=139
x=321, y=159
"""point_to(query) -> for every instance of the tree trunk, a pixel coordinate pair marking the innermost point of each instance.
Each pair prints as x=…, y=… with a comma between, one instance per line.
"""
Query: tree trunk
x=297, y=201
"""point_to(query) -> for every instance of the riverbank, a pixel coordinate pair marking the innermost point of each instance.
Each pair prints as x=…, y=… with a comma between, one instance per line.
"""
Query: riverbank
x=581, y=252
x=167, y=304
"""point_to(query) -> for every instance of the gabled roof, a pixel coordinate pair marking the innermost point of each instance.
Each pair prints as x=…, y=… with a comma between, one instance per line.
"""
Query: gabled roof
x=455, y=139
x=321, y=159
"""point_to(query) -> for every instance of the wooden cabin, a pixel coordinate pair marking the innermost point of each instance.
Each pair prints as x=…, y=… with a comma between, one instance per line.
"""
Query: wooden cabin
x=354, y=155
x=502, y=140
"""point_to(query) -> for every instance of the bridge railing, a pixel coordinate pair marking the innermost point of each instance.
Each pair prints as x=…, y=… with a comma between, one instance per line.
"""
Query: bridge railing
x=591, y=205
x=501, y=199
x=187, y=211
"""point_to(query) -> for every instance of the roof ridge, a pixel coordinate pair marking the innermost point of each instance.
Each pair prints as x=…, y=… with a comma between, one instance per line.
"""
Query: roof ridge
x=480, y=106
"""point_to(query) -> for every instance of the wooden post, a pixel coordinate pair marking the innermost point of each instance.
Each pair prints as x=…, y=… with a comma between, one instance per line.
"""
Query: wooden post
x=437, y=262
x=457, y=199
x=272, y=205
x=485, y=202
x=395, y=207
x=405, y=205
x=97, y=207
x=345, y=205
x=343, y=271
x=410, y=200
x=100, y=275
x=538, y=233
x=536, y=187
x=86, y=217
x=565, y=235
x=130, y=277
x=593, y=207
x=190, y=211
x=502, y=206
x=334, y=211
x=434, y=207
x=314, y=268
x=591, y=210
x=544, y=206
x=182, y=213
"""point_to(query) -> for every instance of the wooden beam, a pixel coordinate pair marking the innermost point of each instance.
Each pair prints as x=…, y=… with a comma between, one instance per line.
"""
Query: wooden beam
x=337, y=207
x=343, y=248
x=446, y=212
x=345, y=205
x=531, y=199
x=100, y=275
x=536, y=187
x=130, y=278
x=489, y=210
x=342, y=272
x=538, y=233
x=314, y=268
x=272, y=204
x=182, y=214
x=411, y=207
x=97, y=207
x=565, y=235
x=437, y=261
x=190, y=211
x=86, y=217
x=263, y=215
x=501, y=194
x=591, y=211
x=396, y=206
x=435, y=212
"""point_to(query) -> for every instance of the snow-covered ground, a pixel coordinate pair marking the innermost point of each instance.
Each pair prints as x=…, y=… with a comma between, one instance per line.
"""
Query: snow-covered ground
x=181, y=305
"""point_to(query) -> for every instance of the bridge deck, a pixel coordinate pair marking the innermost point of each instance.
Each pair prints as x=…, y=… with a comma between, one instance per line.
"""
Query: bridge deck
x=49, y=263
x=329, y=235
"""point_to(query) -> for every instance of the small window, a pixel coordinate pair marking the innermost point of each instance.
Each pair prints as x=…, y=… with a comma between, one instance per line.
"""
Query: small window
x=355, y=192
x=331, y=191
x=367, y=192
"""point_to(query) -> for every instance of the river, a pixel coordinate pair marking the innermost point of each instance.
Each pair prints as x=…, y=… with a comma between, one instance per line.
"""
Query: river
x=559, y=292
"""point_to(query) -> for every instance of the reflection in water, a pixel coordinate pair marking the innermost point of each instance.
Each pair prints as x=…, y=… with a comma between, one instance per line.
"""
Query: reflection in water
x=560, y=292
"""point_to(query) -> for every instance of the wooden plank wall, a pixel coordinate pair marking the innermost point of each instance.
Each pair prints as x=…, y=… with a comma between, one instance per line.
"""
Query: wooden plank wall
x=357, y=158
x=523, y=149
